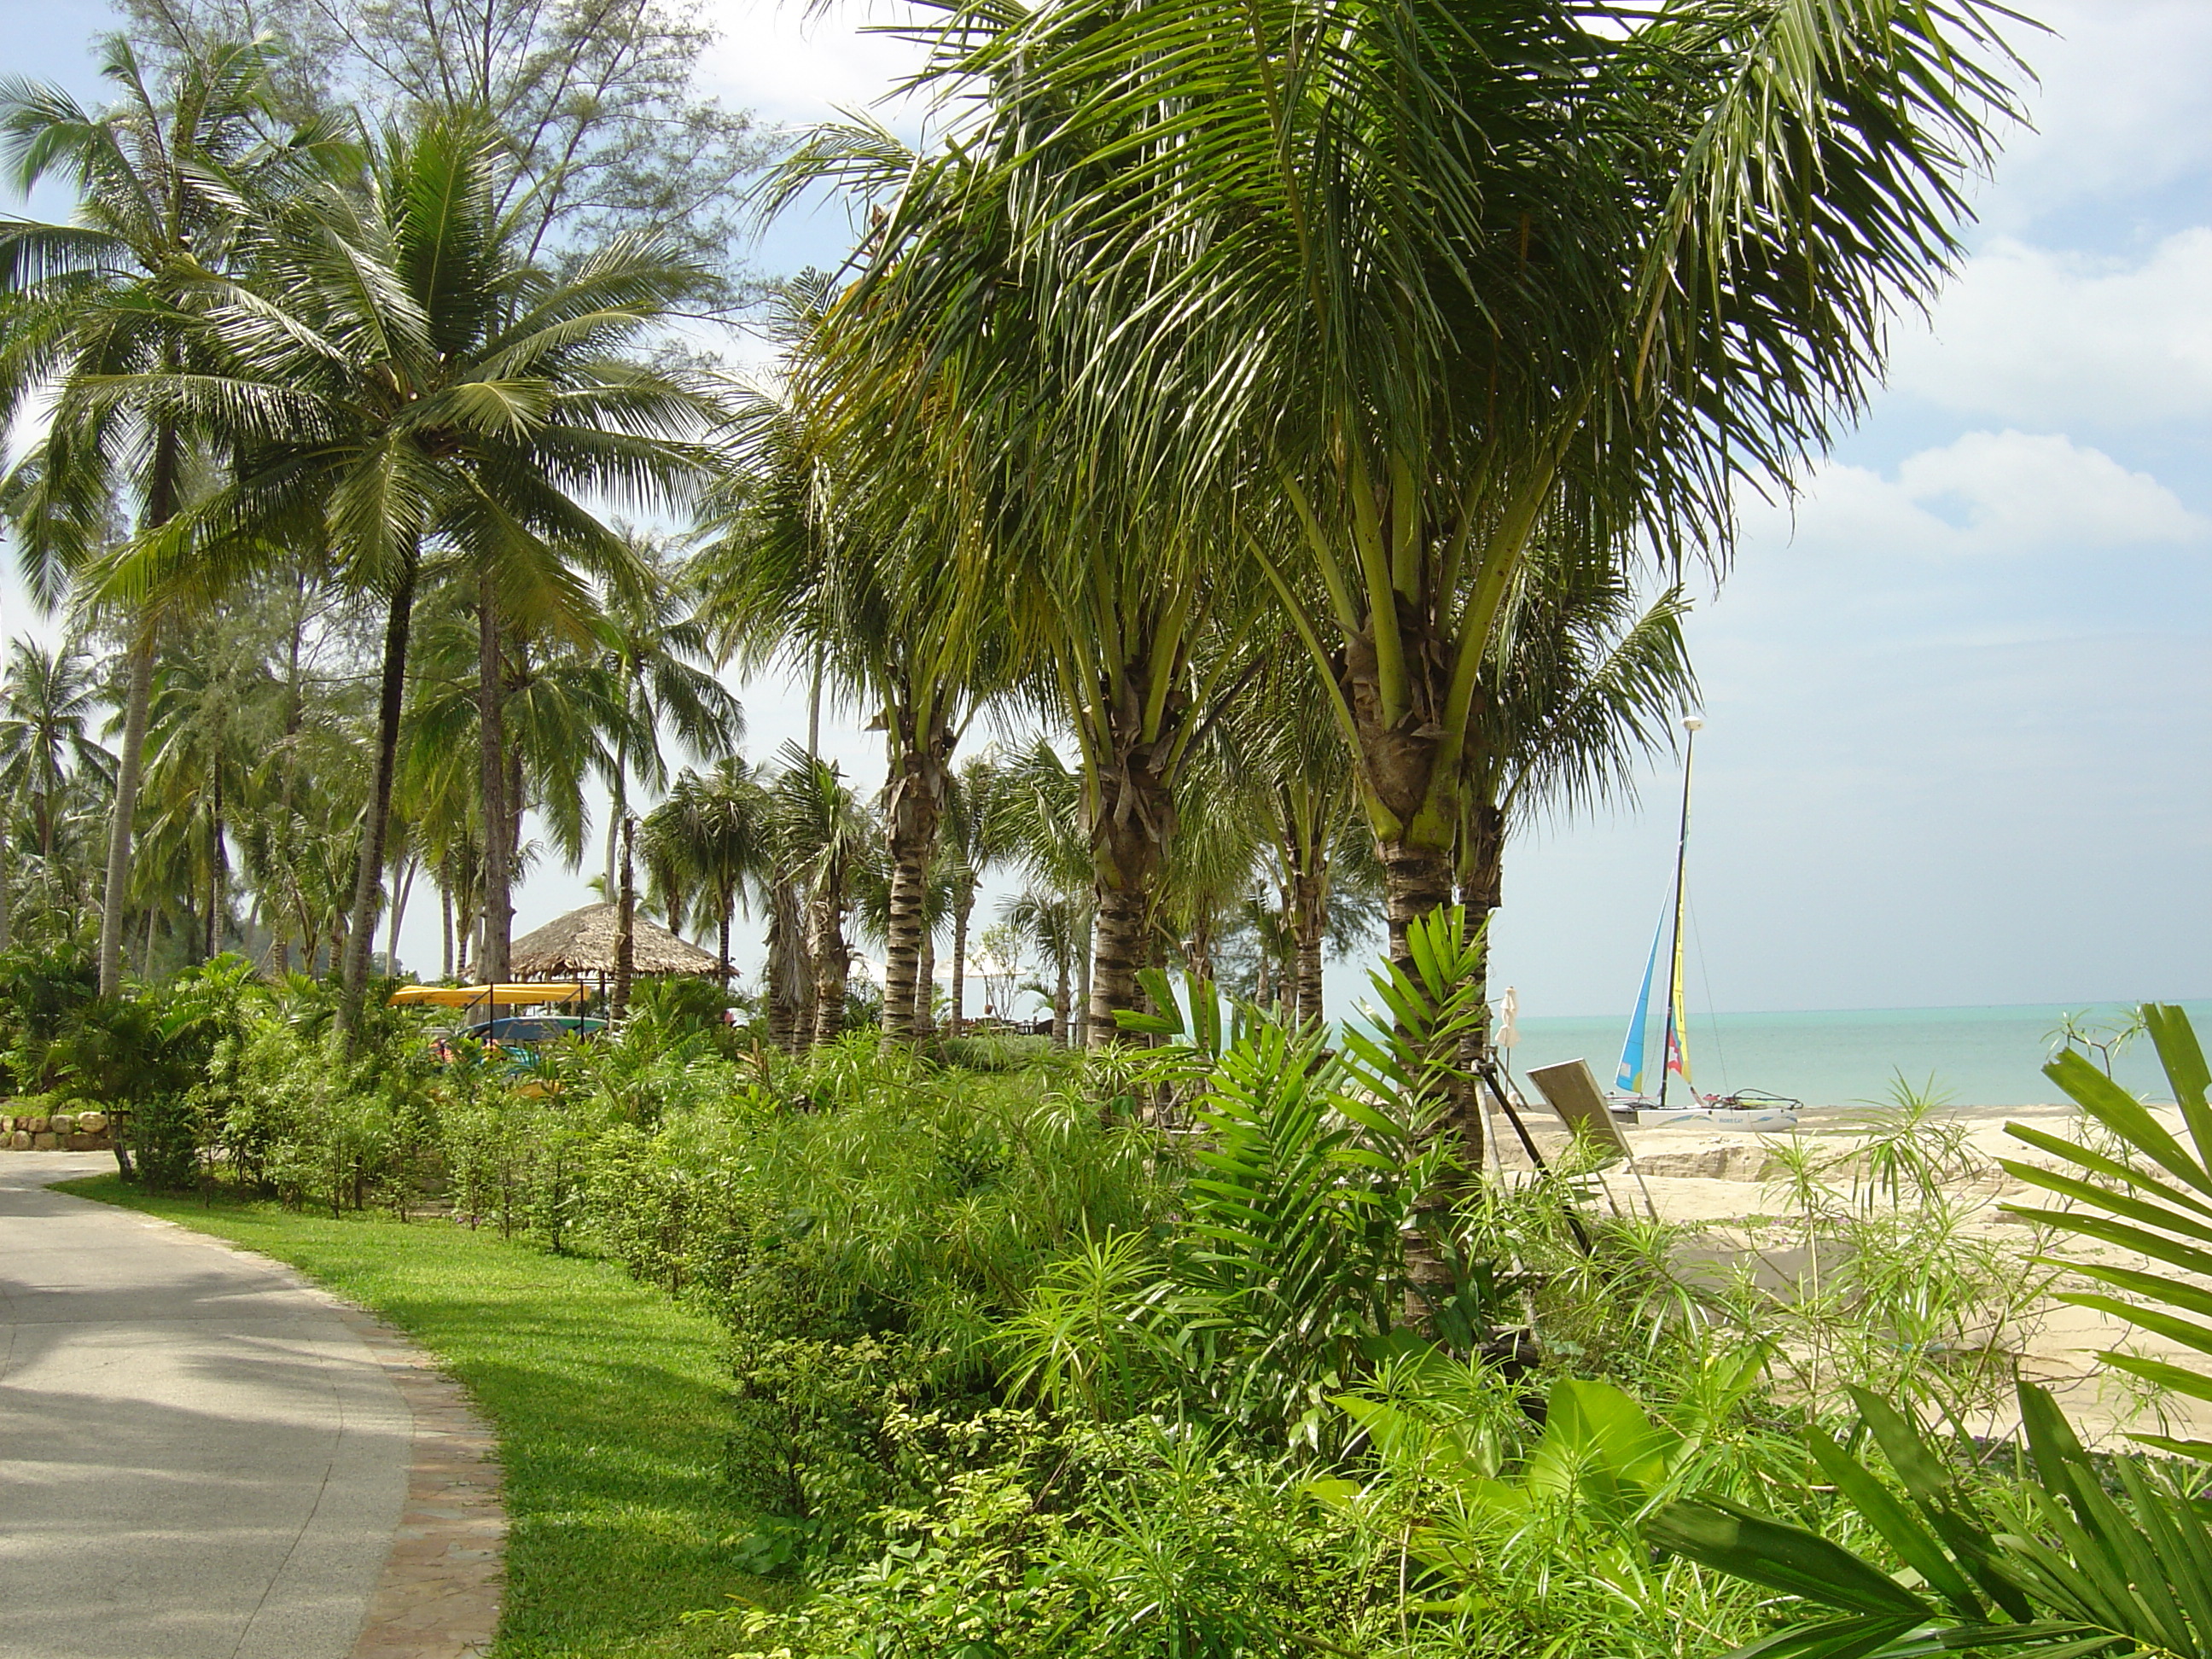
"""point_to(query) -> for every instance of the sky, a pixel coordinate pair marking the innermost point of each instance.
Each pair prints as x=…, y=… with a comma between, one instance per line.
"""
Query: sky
x=1955, y=694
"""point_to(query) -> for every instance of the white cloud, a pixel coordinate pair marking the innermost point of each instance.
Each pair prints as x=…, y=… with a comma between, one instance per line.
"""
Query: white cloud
x=2119, y=112
x=797, y=63
x=2027, y=334
x=1988, y=493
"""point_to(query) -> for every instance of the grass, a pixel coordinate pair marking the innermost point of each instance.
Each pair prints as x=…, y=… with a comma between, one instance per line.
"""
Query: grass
x=609, y=1399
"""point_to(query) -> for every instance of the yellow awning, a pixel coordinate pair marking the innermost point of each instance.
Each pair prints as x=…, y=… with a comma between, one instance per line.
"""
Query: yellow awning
x=463, y=996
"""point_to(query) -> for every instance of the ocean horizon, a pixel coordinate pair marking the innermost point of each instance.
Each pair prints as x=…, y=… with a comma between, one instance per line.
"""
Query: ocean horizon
x=1971, y=1056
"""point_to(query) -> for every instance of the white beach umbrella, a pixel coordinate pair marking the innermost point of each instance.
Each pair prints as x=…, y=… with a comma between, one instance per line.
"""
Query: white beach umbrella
x=1509, y=1017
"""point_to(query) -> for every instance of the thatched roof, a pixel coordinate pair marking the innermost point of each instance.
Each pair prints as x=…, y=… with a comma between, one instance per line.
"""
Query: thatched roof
x=583, y=942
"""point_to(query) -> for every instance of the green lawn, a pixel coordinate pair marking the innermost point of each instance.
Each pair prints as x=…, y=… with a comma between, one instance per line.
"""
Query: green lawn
x=609, y=1399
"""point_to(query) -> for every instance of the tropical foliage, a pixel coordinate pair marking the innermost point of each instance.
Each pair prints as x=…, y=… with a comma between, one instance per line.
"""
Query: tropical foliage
x=1246, y=471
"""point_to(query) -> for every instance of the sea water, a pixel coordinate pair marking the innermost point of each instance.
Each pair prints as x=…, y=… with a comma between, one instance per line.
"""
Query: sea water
x=1971, y=1056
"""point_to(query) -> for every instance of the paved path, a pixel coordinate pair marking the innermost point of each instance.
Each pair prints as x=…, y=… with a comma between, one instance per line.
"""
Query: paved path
x=200, y=1456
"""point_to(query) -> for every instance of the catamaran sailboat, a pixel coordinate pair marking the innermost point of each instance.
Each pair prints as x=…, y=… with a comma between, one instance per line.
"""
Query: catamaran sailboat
x=1749, y=1109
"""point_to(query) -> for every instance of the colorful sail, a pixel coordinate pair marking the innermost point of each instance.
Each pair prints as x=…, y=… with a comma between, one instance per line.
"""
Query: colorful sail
x=1631, y=1077
x=1678, y=1025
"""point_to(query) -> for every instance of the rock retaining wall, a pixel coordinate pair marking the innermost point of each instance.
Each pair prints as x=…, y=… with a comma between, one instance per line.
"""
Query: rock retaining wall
x=59, y=1131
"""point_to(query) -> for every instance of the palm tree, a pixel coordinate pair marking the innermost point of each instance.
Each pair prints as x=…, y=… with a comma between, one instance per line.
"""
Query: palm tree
x=1379, y=293
x=974, y=839
x=710, y=837
x=827, y=556
x=168, y=180
x=1035, y=822
x=208, y=719
x=47, y=704
x=1056, y=924
x=822, y=839
x=404, y=381
x=660, y=653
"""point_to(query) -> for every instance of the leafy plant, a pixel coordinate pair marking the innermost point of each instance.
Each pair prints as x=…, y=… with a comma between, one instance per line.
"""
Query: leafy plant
x=2155, y=1199
x=1295, y=1217
x=2057, y=1567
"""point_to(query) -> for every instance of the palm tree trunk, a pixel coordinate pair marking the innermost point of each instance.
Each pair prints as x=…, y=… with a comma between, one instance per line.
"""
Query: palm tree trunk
x=1416, y=880
x=402, y=886
x=617, y=810
x=1129, y=837
x=163, y=493
x=726, y=912
x=832, y=963
x=902, y=944
x=1060, y=1005
x=1081, y=1036
x=7, y=900
x=914, y=806
x=925, y=988
x=498, y=862
x=962, y=908
x=136, y=702
x=1198, y=951
x=444, y=931
x=1310, y=924
x=376, y=820
x=1118, y=950
x=215, y=863
x=625, y=922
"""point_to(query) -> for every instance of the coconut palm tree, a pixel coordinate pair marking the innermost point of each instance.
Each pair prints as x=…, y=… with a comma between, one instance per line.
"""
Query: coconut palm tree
x=169, y=178
x=1037, y=824
x=48, y=703
x=823, y=837
x=1127, y=628
x=404, y=382
x=974, y=840
x=829, y=555
x=658, y=651
x=711, y=837
x=213, y=712
x=1380, y=293
x=1056, y=924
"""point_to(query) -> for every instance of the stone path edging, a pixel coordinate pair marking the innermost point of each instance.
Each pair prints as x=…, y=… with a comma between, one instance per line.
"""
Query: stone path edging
x=438, y=1596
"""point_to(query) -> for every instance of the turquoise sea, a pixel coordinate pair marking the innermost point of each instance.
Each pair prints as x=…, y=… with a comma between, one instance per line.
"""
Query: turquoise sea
x=1976, y=1056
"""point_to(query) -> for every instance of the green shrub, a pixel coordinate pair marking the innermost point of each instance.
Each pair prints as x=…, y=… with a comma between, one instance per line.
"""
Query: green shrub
x=1102, y=1542
x=811, y=1447
x=167, y=1135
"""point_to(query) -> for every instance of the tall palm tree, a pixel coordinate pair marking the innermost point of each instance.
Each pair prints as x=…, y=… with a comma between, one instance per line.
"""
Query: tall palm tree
x=404, y=381
x=823, y=837
x=1379, y=293
x=208, y=721
x=974, y=840
x=1056, y=924
x=842, y=560
x=660, y=651
x=169, y=178
x=711, y=836
x=1037, y=824
x=48, y=702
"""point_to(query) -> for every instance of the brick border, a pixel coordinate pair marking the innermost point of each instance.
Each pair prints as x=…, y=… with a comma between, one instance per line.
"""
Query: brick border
x=438, y=1596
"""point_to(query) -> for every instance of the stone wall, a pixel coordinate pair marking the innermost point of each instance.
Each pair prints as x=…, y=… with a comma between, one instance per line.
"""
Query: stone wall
x=61, y=1132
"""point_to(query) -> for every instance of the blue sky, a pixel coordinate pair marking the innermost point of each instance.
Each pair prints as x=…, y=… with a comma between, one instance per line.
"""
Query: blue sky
x=1957, y=705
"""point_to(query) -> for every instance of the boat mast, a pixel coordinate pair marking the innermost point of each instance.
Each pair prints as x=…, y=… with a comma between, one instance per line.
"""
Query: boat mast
x=1692, y=725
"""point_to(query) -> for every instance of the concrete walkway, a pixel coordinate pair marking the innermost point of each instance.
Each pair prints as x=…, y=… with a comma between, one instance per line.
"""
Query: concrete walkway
x=200, y=1456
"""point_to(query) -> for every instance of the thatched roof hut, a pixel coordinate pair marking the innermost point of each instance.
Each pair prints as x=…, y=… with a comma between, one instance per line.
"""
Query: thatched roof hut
x=583, y=942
